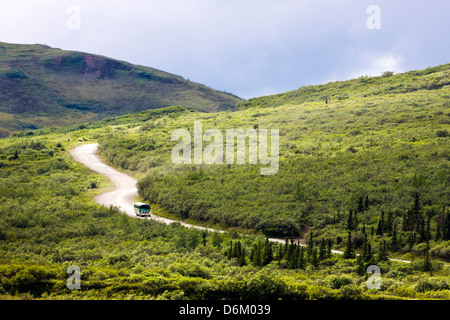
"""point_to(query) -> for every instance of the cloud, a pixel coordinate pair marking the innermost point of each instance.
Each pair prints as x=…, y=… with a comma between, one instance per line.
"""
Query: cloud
x=375, y=64
x=247, y=47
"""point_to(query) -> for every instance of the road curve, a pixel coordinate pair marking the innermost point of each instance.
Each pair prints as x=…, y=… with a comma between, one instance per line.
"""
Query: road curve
x=126, y=188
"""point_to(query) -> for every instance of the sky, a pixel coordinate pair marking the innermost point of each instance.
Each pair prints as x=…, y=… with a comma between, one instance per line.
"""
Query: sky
x=250, y=48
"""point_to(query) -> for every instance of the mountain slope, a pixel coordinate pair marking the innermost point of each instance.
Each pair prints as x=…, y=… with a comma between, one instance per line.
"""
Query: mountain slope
x=432, y=78
x=42, y=86
x=375, y=144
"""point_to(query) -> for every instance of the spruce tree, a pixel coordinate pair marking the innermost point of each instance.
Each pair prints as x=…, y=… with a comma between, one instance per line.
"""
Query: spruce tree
x=294, y=259
x=204, y=234
x=315, y=258
x=350, y=220
x=438, y=233
x=355, y=221
x=382, y=252
x=267, y=253
x=322, y=250
x=388, y=224
x=360, y=204
x=349, y=252
x=380, y=224
x=329, y=245
x=242, y=258
x=427, y=263
x=360, y=263
x=301, y=259
x=256, y=255
x=290, y=253
x=280, y=255
x=394, y=241
x=367, y=250
x=366, y=203
x=446, y=227
x=310, y=247
x=236, y=250
x=230, y=251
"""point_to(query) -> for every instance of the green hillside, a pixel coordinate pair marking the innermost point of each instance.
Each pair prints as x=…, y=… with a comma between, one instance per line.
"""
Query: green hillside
x=371, y=154
x=366, y=172
x=42, y=86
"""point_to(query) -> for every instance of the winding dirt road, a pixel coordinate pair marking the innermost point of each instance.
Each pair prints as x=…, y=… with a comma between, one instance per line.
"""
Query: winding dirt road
x=123, y=196
x=125, y=193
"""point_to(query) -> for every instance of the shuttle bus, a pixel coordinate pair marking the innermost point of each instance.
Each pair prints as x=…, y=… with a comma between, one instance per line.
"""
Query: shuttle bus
x=142, y=209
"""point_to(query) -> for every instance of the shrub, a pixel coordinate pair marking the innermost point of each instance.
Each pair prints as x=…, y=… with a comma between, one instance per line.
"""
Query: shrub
x=431, y=284
x=350, y=292
x=442, y=133
x=16, y=74
x=336, y=282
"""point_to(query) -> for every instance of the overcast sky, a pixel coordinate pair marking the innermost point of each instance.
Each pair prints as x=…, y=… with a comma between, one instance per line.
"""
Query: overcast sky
x=247, y=47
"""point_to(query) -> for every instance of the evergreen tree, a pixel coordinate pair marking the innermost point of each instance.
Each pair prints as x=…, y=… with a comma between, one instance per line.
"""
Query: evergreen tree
x=349, y=252
x=360, y=263
x=236, y=251
x=388, y=224
x=355, y=221
x=380, y=224
x=427, y=263
x=405, y=221
x=204, y=234
x=286, y=246
x=411, y=239
x=322, y=250
x=267, y=253
x=366, y=203
x=438, y=233
x=230, y=251
x=310, y=247
x=242, y=258
x=367, y=250
x=256, y=256
x=294, y=258
x=446, y=227
x=360, y=204
x=329, y=245
x=301, y=259
x=394, y=241
x=382, y=252
x=280, y=255
x=315, y=258
x=290, y=254
x=350, y=220
x=421, y=229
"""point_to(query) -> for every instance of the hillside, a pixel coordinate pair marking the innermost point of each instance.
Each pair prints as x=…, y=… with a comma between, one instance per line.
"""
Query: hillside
x=432, y=78
x=364, y=173
x=375, y=151
x=42, y=86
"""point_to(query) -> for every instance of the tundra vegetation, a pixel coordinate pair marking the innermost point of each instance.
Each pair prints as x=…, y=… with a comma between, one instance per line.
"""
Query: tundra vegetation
x=363, y=168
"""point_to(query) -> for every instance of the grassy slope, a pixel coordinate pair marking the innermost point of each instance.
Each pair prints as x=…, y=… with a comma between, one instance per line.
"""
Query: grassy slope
x=48, y=221
x=386, y=140
x=42, y=86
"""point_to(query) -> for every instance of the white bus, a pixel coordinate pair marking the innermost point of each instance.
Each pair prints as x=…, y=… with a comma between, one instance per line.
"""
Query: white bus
x=142, y=209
